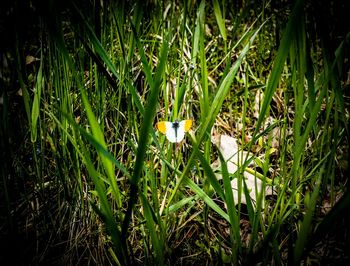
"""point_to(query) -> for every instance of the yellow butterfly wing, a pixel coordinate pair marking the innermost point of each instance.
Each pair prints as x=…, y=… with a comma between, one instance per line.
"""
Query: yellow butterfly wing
x=174, y=134
x=187, y=124
x=161, y=126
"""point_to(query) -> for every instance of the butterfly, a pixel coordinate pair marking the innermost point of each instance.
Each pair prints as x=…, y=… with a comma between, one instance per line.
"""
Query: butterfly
x=174, y=131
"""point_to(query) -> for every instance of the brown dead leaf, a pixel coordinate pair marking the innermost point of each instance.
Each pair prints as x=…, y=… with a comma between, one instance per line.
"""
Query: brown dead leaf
x=30, y=59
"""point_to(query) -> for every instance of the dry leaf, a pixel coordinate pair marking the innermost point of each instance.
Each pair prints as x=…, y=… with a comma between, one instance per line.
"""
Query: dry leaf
x=30, y=59
x=228, y=146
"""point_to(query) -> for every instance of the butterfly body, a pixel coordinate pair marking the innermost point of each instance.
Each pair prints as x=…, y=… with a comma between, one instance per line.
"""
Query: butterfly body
x=174, y=131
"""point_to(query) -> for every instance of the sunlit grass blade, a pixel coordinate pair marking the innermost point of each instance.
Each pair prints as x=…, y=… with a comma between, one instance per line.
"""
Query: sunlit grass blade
x=178, y=205
x=218, y=100
x=40, y=81
x=197, y=32
x=211, y=176
x=220, y=19
x=205, y=198
x=99, y=147
x=98, y=135
x=146, y=126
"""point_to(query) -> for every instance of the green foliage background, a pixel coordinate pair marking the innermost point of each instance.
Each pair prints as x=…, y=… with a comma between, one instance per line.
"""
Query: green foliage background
x=86, y=179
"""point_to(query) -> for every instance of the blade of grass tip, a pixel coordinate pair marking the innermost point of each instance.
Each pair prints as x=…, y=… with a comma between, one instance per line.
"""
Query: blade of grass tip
x=36, y=101
x=146, y=126
x=99, y=136
x=196, y=37
x=178, y=205
x=219, y=19
x=157, y=243
x=219, y=98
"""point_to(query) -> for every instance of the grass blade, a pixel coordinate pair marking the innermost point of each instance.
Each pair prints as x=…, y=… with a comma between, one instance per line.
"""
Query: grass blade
x=39, y=84
x=214, y=110
x=305, y=227
x=220, y=20
x=232, y=212
x=98, y=135
x=148, y=118
x=156, y=242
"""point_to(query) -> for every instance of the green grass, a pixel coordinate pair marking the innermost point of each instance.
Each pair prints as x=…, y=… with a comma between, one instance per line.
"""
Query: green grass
x=94, y=177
